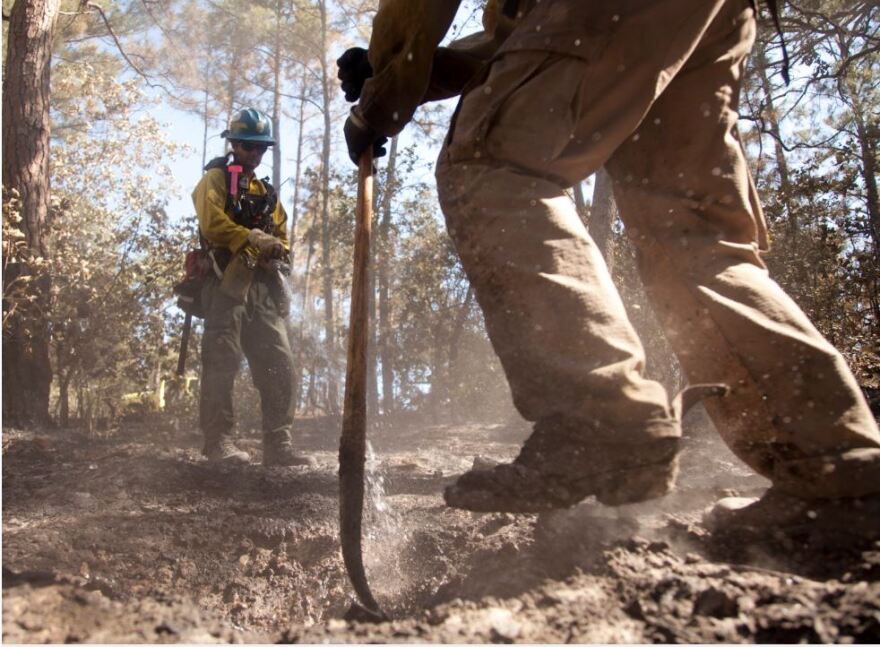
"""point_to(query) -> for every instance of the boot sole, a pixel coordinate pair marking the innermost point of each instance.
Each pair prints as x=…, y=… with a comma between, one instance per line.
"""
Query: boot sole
x=537, y=493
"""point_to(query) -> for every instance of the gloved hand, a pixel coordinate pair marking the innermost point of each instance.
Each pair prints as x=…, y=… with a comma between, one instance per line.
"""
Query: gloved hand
x=354, y=69
x=359, y=136
x=266, y=244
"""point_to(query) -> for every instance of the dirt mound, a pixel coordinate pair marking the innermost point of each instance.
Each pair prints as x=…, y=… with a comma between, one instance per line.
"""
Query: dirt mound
x=135, y=538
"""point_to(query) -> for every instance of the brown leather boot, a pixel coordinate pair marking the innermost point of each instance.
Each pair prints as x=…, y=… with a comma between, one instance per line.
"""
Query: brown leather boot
x=278, y=452
x=565, y=461
x=225, y=451
x=540, y=480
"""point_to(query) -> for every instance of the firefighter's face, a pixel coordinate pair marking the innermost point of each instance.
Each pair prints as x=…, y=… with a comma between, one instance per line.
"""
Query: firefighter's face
x=248, y=154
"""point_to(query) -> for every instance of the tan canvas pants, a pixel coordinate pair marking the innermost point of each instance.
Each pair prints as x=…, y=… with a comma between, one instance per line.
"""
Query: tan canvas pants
x=655, y=102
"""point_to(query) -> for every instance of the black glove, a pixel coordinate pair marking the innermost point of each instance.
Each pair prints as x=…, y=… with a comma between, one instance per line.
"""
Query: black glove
x=359, y=136
x=354, y=69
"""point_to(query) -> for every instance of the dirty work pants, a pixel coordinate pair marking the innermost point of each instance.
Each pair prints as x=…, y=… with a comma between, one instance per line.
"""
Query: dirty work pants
x=655, y=103
x=253, y=329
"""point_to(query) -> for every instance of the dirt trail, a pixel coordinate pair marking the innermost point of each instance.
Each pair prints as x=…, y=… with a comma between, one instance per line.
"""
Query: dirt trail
x=135, y=538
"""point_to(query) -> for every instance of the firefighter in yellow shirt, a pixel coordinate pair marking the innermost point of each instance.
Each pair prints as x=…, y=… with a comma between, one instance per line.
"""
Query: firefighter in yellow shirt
x=244, y=227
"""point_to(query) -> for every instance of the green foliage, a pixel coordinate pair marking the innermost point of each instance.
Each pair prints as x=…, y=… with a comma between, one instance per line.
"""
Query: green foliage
x=815, y=150
x=115, y=252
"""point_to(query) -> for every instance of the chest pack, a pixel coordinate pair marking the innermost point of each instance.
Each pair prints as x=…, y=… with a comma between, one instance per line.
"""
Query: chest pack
x=250, y=210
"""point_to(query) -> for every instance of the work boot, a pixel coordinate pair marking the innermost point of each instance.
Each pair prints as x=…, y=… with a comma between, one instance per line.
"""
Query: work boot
x=279, y=452
x=225, y=451
x=552, y=472
x=563, y=462
x=779, y=513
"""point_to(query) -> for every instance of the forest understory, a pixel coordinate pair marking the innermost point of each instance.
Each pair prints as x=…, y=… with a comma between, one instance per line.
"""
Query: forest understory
x=134, y=537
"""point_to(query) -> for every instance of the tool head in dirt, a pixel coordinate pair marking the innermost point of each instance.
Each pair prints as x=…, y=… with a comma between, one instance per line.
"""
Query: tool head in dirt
x=359, y=613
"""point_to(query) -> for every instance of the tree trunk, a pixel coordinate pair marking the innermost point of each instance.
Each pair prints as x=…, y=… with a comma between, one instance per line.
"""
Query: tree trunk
x=64, y=402
x=294, y=221
x=383, y=271
x=773, y=126
x=372, y=382
x=205, y=117
x=329, y=333
x=306, y=310
x=458, y=329
x=297, y=179
x=602, y=213
x=27, y=373
x=868, y=158
x=276, y=99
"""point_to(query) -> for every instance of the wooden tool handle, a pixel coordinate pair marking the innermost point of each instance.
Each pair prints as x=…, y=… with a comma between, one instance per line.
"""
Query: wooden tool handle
x=353, y=442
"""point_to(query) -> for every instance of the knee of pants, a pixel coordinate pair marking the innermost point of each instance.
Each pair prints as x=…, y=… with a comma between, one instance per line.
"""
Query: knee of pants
x=221, y=350
x=488, y=196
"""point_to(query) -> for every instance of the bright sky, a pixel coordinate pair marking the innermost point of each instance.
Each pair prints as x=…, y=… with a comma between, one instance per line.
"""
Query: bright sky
x=186, y=128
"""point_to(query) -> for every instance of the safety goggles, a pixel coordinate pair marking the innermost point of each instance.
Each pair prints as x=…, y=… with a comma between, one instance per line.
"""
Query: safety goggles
x=254, y=146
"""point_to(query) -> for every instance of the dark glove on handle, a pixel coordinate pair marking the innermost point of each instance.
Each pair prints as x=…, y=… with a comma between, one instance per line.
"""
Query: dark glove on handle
x=359, y=136
x=354, y=70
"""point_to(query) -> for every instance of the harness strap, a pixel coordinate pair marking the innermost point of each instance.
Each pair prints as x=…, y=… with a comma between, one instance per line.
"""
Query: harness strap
x=222, y=162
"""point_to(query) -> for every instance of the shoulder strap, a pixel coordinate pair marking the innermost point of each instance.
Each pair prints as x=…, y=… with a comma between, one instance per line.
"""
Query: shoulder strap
x=222, y=162
x=271, y=195
x=217, y=162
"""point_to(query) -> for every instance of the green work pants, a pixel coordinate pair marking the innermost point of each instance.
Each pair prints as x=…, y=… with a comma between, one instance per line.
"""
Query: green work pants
x=254, y=329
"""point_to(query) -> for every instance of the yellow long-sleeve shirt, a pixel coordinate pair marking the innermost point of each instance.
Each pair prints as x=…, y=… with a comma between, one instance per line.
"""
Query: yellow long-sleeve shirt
x=217, y=225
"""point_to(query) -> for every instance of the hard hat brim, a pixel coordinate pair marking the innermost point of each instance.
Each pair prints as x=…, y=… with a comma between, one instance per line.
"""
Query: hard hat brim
x=241, y=137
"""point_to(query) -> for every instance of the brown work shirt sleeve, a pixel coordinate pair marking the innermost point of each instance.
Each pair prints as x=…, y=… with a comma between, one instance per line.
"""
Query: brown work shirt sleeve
x=405, y=37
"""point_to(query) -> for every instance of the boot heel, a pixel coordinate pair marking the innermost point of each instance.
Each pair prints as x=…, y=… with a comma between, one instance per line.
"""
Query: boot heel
x=639, y=484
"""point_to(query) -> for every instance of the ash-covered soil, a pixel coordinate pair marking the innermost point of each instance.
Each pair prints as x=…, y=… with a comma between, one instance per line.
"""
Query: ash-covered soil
x=133, y=537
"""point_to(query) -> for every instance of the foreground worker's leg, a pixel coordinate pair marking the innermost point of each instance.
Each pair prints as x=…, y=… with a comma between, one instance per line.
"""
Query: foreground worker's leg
x=542, y=121
x=268, y=352
x=795, y=414
x=221, y=357
x=573, y=361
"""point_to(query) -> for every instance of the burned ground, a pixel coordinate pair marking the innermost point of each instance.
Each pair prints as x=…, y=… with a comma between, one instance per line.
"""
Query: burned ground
x=133, y=537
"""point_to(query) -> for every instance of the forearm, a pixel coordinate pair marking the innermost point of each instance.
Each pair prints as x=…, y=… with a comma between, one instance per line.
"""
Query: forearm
x=405, y=37
x=454, y=68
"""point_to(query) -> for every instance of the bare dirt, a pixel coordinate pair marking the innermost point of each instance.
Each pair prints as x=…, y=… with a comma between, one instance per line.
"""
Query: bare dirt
x=133, y=537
